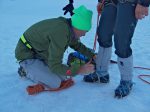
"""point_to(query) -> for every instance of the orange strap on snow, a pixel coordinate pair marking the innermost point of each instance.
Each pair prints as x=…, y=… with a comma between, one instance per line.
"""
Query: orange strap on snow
x=34, y=89
x=139, y=76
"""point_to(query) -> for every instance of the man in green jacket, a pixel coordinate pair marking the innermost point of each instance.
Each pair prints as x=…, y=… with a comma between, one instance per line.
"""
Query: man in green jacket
x=41, y=48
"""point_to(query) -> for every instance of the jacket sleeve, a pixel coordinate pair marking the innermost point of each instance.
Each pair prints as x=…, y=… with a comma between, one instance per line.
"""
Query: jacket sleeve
x=55, y=56
x=145, y=3
x=78, y=46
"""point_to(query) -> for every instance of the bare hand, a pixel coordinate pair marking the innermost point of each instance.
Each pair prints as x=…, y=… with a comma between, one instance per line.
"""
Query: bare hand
x=87, y=68
x=141, y=11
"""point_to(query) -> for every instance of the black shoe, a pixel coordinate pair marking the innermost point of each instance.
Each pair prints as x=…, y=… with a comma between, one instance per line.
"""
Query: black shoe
x=123, y=89
x=95, y=77
x=21, y=72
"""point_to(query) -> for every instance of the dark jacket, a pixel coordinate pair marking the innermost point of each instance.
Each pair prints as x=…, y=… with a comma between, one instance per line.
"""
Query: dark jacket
x=145, y=3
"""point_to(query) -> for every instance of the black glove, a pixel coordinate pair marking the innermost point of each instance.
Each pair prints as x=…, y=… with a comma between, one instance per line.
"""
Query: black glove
x=69, y=8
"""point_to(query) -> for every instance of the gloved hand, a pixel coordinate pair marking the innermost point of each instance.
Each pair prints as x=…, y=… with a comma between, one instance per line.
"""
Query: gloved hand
x=69, y=8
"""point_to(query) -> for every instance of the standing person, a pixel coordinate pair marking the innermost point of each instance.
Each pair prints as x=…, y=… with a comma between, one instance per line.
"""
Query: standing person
x=118, y=18
x=41, y=48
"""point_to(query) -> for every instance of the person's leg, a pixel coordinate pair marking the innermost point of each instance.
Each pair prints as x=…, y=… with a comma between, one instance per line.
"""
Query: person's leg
x=123, y=33
x=105, y=32
x=38, y=71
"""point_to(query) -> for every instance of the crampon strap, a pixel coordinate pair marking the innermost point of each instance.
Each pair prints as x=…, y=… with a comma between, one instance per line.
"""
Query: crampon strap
x=34, y=89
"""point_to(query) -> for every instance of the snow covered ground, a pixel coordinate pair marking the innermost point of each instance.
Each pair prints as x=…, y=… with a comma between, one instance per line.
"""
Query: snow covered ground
x=16, y=16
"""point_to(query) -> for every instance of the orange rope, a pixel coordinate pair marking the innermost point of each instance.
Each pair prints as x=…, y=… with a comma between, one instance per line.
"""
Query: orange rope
x=98, y=17
x=141, y=77
x=96, y=36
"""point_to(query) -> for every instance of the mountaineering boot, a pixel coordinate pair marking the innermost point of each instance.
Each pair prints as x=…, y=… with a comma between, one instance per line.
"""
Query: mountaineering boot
x=95, y=77
x=123, y=89
x=21, y=72
x=126, y=71
x=102, y=64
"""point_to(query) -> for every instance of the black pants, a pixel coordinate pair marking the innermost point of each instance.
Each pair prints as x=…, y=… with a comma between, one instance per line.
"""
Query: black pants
x=118, y=20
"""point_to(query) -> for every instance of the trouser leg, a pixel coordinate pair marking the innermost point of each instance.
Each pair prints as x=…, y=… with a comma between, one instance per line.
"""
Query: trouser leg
x=39, y=72
x=105, y=32
x=124, y=29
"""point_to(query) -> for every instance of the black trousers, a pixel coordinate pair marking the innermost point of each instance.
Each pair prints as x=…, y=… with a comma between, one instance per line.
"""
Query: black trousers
x=118, y=21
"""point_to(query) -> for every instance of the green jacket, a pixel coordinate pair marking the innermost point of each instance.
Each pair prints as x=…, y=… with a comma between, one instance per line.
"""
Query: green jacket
x=49, y=39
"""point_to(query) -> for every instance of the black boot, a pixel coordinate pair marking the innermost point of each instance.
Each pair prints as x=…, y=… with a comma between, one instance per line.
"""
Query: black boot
x=95, y=77
x=123, y=89
x=21, y=72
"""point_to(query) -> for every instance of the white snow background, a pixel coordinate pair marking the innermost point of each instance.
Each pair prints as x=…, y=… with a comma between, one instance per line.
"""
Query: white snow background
x=16, y=16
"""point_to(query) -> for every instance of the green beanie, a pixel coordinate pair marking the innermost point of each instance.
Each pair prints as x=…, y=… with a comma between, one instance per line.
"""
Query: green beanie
x=82, y=18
